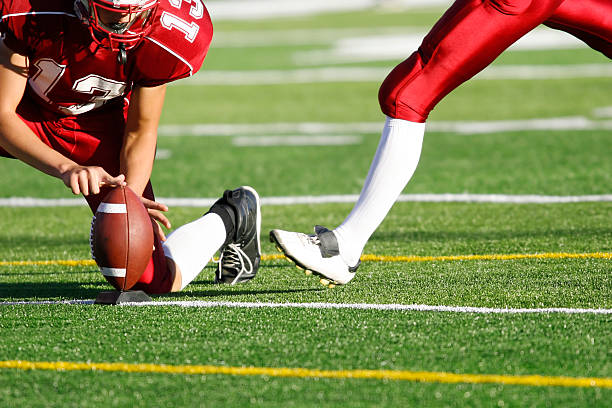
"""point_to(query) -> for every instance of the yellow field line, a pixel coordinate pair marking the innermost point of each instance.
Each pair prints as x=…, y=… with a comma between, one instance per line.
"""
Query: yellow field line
x=376, y=258
x=83, y=262
x=491, y=257
x=421, y=376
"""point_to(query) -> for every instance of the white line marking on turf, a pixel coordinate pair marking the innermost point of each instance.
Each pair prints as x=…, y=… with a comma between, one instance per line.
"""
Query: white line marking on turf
x=398, y=47
x=354, y=306
x=463, y=198
x=603, y=112
x=546, y=71
x=331, y=199
x=365, y=74
x=163, y=154
x=266, y=129
x=49, y=302
x=255, y=10
x=304, y=140
x=545, y=124
x=294, y=76
x=574, y=123
x=366, y=44
x=369, y=306
x=303, y=36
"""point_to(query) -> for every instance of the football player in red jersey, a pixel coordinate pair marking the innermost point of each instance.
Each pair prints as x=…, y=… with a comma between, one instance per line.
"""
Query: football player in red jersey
x=468, y=37
x=83, y=85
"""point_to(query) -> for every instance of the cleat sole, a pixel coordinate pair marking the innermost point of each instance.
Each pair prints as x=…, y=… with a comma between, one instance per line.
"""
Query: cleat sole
x=307, y=272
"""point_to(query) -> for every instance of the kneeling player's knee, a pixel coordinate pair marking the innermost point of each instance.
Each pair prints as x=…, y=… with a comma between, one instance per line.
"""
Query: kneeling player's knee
x=510, y=7
x=157, y=278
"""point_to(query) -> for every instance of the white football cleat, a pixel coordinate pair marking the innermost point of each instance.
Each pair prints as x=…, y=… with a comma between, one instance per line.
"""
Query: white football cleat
x=317, y=254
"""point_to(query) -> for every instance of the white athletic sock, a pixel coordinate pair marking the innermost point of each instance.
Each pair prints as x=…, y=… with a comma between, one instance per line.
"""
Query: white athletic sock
x=193, y=245
x=393, y=165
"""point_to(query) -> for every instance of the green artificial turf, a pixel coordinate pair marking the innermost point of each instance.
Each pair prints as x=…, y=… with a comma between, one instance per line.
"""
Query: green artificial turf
x=425, y=229
x=357, y=102
x=560, y=162
x=338, y=340
x=548, y=163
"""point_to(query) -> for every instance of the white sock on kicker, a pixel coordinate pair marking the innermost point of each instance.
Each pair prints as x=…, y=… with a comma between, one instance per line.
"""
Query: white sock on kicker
x=192, y=246
x=393, y=165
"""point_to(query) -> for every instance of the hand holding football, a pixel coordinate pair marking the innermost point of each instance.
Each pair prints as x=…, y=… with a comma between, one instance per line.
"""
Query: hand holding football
x=121, y=238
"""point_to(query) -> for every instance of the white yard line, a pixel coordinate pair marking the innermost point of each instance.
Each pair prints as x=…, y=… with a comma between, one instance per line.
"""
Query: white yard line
x=163, y=154
x=304, y=36
x=291, y=76
x=574, y=123
x=578, y=123
x=29, y=202
x=603, y=112
x=398, y=47
x=297, y=140
x=346, y=44
x=544, y=124
x=266, y=129
x=352, y=306
x=540, y=72
x=261, y=9
x=375, y=74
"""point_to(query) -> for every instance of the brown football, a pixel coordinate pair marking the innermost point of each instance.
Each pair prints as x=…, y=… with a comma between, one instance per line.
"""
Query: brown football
x=121, y=238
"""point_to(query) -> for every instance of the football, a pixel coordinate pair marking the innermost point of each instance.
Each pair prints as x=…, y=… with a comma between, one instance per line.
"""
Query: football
x=121, y=238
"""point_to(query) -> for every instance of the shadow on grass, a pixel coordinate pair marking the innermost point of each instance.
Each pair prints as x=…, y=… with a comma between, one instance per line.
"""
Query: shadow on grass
x=46, y=241
x=51, y=290
x=38, y=273
x=89, y=290
x=577, y=234
x=226, y=290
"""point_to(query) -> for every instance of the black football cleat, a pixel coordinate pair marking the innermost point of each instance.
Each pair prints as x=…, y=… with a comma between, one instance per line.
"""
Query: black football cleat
x=240, y=258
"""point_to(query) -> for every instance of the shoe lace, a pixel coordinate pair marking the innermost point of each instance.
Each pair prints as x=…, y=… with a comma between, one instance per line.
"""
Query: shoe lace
x=312, y=239
x=233, y=257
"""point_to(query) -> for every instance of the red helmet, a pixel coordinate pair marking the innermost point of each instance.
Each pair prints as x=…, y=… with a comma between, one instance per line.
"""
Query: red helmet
x=117, y=24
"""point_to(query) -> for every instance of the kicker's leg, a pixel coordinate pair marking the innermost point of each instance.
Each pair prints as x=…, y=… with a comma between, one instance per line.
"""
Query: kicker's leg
x=588, y=20
x=470, y=35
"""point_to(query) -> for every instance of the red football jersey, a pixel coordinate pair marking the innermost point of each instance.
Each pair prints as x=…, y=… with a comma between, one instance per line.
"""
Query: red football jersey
x=69, y=73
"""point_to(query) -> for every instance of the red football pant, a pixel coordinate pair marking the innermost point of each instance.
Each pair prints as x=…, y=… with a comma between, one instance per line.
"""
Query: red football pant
x=94, y=139
x=471, y=34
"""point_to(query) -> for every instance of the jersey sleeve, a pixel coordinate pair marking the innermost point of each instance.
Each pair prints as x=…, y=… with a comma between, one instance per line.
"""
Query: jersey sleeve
x=13, y=26
x=174, y=49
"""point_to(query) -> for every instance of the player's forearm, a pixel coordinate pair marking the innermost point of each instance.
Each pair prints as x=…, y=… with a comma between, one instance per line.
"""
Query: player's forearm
x=18, y=140
x=140, y=140
x=137, y=156
x=15, y=137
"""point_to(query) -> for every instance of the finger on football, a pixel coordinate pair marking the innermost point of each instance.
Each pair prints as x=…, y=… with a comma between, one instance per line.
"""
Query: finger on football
x=110, y=181
x=158, y=231
x=159, y=217
x=74, y=183
x=153, y=205
x=83, y=178
x=94, y=182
